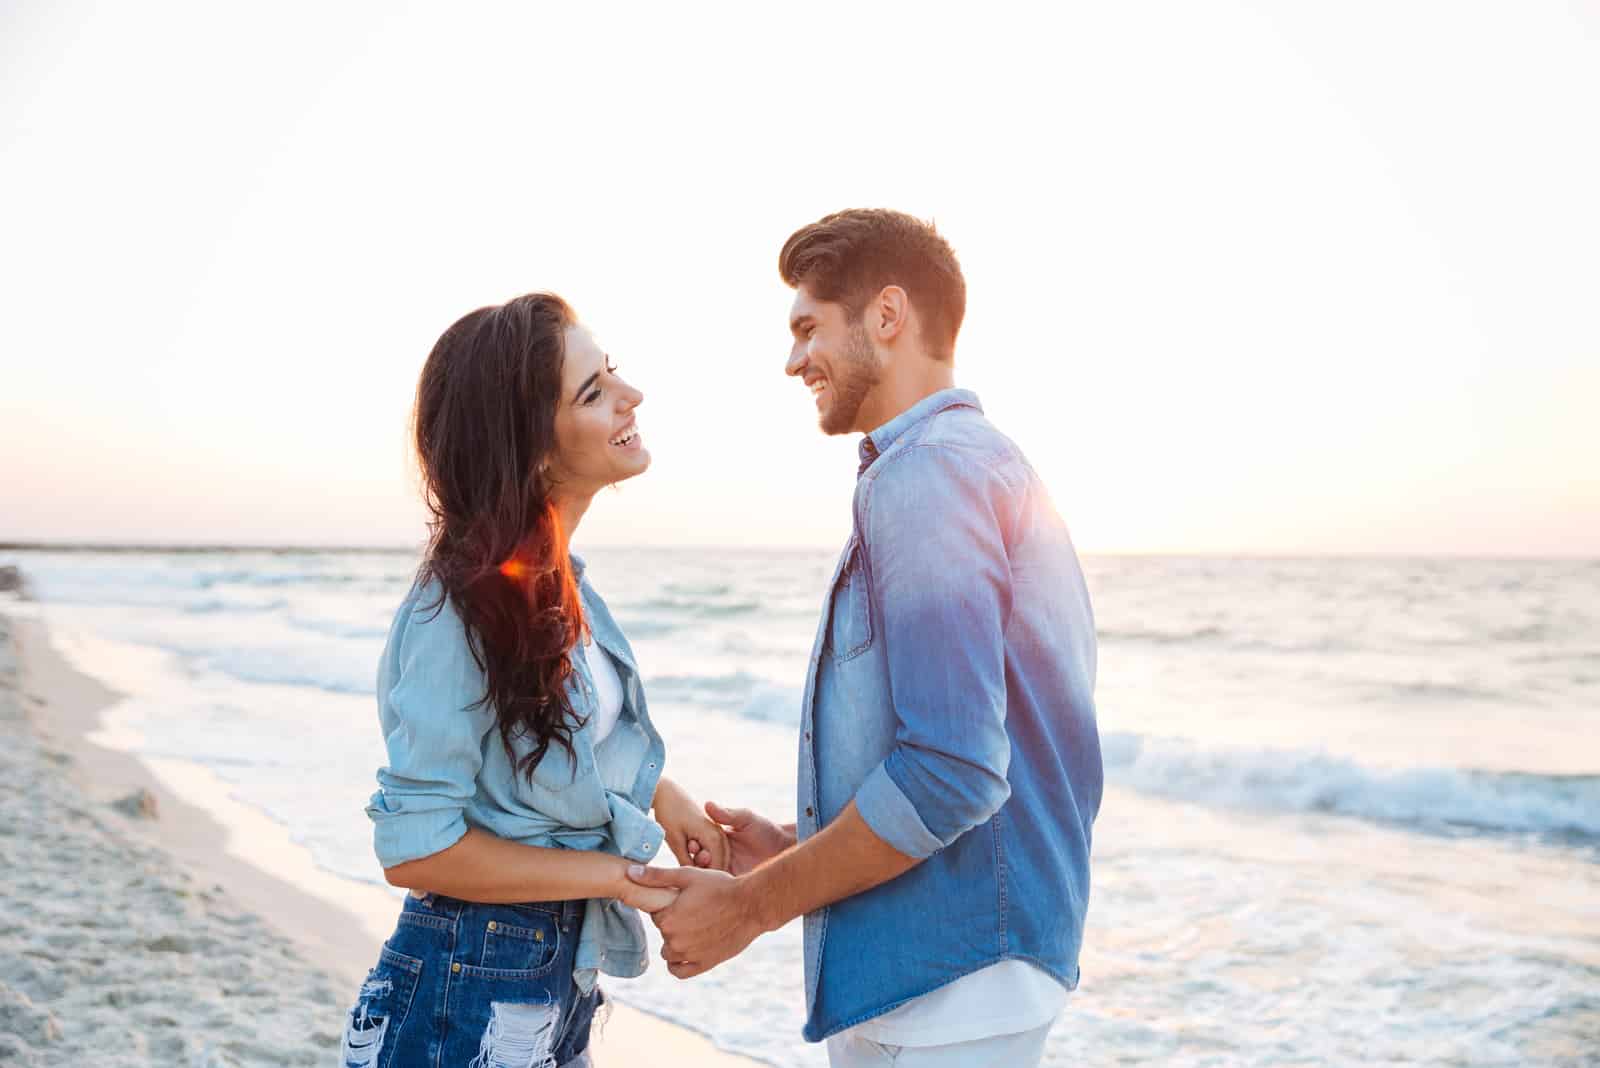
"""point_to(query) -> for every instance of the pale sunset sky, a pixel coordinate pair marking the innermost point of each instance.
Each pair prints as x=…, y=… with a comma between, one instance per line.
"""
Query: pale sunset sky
x=1244, y=277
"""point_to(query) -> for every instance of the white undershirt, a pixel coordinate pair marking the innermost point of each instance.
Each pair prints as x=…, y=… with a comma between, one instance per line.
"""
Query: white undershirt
x=607, y=690
x=1001, y=999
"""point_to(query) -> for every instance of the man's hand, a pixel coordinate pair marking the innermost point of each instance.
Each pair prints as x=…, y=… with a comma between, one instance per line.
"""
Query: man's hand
x=752, y=839
x=712, y=920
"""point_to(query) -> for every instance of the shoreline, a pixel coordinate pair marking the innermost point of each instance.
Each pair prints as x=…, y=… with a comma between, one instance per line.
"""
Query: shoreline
x=241, y=854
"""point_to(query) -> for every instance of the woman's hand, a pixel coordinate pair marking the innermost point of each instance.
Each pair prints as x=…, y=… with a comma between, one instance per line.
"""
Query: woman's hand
x=692, y=836
x=644, y=898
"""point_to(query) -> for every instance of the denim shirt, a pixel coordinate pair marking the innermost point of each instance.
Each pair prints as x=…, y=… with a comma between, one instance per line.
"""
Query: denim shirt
x=950, y=696
x=448, y=770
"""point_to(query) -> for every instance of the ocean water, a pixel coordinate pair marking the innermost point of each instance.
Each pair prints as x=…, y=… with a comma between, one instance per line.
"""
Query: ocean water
x=1352, y=812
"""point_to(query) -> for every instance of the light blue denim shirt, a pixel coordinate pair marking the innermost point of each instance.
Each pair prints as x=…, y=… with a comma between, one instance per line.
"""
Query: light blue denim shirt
x=448, y=770
x=950, y=696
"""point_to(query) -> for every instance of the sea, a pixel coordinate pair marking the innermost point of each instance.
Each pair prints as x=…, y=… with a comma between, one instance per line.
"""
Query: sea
x=1352, y=813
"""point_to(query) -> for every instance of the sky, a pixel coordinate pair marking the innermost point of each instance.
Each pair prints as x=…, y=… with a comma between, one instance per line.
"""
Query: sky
x=1243, y=277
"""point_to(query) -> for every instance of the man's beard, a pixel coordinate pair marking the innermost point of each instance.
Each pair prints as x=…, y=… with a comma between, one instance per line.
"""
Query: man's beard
x=854, y=375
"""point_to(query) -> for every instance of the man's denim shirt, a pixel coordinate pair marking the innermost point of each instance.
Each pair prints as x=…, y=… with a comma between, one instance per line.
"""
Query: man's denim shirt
x=950, y=696
x=448, y=770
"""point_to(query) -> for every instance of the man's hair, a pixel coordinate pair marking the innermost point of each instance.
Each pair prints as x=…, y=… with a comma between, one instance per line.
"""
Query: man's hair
x=850, y=256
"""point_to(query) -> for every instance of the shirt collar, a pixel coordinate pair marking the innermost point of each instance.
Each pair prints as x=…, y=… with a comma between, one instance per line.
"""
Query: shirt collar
x=878, y=442
x=577, y=566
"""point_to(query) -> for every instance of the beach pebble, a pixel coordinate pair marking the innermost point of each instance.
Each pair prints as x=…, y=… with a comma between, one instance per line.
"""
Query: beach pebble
x=141, y=804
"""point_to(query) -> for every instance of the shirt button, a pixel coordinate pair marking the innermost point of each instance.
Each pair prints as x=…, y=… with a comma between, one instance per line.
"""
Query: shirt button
x=809, y=813
x=808, y=736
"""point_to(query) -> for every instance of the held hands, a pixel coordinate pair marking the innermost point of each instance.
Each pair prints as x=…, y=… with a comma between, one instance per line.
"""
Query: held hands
x=714, y=916
x=644, y=898
x=713, y=919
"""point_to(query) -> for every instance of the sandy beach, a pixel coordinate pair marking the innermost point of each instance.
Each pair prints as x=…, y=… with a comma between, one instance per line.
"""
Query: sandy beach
x=151, y=920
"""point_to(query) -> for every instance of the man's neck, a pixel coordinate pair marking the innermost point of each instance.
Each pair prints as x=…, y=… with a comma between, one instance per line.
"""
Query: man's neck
x=899, y=391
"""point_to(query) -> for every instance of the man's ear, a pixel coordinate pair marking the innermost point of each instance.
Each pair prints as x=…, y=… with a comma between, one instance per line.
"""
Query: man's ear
x=889, y=314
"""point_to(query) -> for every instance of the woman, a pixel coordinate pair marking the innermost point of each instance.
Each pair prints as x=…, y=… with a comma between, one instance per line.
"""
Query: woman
x=522, y=760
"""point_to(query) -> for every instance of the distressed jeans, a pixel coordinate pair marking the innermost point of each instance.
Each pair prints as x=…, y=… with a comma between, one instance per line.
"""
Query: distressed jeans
x=460, y=983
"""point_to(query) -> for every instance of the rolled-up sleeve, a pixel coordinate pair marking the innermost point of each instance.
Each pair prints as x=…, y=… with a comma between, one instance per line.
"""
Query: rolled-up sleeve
x=433, y=730
x=934, y=526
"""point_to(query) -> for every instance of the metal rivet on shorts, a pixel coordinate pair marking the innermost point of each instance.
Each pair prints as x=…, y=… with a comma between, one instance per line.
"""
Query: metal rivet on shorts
x=455, y=968
x=538, y=936
x=491, y=925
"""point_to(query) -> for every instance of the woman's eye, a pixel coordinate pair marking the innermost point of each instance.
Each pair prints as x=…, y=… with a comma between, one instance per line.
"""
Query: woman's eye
x=591, y=398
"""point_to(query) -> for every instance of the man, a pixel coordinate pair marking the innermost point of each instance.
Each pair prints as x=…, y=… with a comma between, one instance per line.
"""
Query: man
x=950, y=766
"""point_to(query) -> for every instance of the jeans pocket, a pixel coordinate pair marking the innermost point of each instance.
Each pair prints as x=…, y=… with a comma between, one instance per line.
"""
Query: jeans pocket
x=529, y=945
x=380, y=1011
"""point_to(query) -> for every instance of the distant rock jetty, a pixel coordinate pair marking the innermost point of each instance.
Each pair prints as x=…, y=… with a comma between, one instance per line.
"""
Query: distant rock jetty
x=11, y=580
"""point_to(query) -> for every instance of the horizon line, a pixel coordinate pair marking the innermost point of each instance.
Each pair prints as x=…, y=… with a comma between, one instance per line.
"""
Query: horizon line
x=286, y=548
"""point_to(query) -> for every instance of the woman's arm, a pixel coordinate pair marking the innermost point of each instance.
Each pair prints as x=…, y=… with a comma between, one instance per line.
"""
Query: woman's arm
x=484, y=868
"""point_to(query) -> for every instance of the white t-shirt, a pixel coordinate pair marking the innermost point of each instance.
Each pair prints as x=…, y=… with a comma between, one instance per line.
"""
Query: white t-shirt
x=1002, y=999
x=607, y=687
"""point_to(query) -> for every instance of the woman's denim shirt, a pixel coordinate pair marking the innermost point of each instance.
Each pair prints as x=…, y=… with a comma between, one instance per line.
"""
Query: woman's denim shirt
x=448, y=769
x=951, y=698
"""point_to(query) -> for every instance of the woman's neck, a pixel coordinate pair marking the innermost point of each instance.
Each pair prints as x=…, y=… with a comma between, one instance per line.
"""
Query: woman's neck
x=570, y=510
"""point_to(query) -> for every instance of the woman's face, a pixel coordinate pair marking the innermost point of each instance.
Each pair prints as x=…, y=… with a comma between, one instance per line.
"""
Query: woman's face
x=597, y=436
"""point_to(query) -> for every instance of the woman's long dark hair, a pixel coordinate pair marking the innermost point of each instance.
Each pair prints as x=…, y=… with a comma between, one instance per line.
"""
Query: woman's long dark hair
x=485, y=425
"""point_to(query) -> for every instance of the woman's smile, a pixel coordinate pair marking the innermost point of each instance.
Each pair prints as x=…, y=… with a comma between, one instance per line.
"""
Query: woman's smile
x=628, y=437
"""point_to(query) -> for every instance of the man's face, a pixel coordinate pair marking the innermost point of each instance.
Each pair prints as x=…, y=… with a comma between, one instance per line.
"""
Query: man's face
x=835, y=359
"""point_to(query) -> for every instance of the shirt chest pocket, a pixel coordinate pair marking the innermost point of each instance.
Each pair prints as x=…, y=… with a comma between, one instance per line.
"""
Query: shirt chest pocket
x=566, y=790
x=850, y=622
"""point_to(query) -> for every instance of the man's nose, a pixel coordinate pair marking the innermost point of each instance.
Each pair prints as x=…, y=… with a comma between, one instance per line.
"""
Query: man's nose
x=797, y=362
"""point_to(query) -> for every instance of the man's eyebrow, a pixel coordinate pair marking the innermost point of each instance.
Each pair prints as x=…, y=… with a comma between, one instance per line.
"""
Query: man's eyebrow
x=587, y=382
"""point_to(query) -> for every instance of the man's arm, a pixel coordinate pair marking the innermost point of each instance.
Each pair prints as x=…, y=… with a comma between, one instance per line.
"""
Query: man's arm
x=935, y=525
x=845, y=858
x=941, y=591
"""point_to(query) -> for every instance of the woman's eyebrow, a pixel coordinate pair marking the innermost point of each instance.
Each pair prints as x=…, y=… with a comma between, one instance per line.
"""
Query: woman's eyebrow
x=587, y=382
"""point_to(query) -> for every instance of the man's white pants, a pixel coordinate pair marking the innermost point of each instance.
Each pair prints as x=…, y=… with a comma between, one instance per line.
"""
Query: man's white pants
x=1020, y=1050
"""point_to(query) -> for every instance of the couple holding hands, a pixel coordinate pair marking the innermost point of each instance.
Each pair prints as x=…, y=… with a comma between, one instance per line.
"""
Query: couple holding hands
x=949, y=761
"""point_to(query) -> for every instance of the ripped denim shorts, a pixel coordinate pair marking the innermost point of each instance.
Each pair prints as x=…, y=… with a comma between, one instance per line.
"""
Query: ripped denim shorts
x=459, y=984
